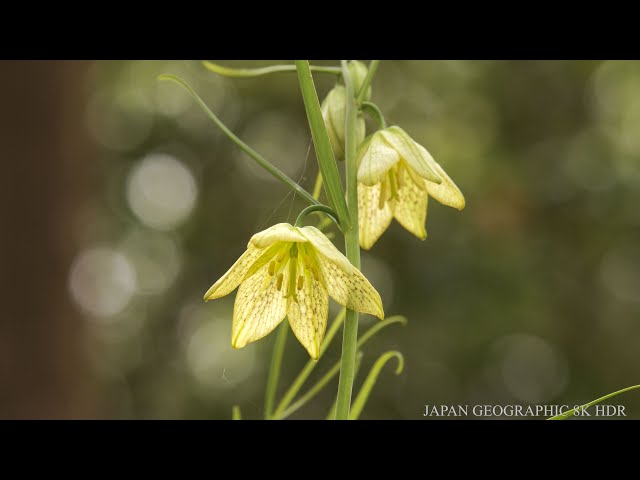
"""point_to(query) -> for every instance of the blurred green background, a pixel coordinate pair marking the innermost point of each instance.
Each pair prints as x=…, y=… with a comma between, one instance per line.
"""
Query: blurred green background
x=123, y=203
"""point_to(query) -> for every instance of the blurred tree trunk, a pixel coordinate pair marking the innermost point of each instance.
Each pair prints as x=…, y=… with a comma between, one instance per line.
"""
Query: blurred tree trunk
x=43, y=153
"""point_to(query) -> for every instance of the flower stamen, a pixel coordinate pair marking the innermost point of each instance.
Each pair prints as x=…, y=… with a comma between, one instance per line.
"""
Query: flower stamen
x=399, y=177
x=383, y=195
x=393, y=183
x=316, y=275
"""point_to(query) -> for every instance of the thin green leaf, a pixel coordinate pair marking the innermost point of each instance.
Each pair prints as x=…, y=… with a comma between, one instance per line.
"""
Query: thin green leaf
x=256, y=72
x=316, y=209
x=370, y=381
x=379, y=326
x=264, y=163
x=374, y=112
x=570, y=413
x=313, y=391
x=317, y=187
x=297, y=384
x=274, y=369
x=283, y=409
x=322, y=145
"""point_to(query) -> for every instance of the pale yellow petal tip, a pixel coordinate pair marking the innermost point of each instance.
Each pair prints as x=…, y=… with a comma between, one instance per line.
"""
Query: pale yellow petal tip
x=313, y=350
x=366, y=245
x=421, y=235
x=236, y=344
x=209, y=294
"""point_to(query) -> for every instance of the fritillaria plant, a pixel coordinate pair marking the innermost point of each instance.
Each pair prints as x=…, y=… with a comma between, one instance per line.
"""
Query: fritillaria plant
x=290, y=271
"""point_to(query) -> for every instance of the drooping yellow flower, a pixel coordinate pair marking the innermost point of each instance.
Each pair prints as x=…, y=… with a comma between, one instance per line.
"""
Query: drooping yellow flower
x=290, y=271
x=396, y=176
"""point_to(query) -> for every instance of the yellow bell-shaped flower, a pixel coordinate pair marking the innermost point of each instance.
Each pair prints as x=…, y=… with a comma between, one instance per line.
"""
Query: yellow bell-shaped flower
x=290, y=271
x=396, y=176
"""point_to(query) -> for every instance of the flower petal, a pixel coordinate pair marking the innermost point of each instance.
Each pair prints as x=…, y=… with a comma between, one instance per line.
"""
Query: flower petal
x=259, y=307
x=418, y=160
x=325, y=248
x=410, y=206
x=350, y=289
x=375, y=158
x=447, y=192
x=372, y=220
x=230, y=280
x=280, y=232
x=308, y=316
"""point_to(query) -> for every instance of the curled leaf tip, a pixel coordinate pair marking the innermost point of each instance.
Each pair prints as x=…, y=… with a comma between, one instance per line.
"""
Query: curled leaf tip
x=370, y=381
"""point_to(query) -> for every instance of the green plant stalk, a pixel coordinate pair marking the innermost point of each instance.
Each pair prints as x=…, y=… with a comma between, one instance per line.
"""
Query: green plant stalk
x=322, y=145
x=282, y=411
x=297, y=384
x=370, y=381
x=264, y=163
x=312, y=392
x=332, y=410
x=274, y=369
x=352, y=249
x=572, y=412
x=373, y=66
x=256, y=72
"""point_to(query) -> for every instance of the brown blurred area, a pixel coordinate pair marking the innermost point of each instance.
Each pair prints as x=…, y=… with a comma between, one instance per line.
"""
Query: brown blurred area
x=45, y=159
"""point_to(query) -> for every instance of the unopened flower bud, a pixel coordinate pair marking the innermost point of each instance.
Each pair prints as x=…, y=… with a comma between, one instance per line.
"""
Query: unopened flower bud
x=359, y=72
x=333, y=112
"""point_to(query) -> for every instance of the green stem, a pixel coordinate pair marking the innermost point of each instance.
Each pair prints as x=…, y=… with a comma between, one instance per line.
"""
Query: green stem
x=352, y=249
x=373, y=66
x=374, y=112
x=297, y=384
x=316, y=208
x=274, y=369
x=332, y=410
x=322, y=145
x=282, y=411
x=312, y=392
x=256, y=72
x=264, y=163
